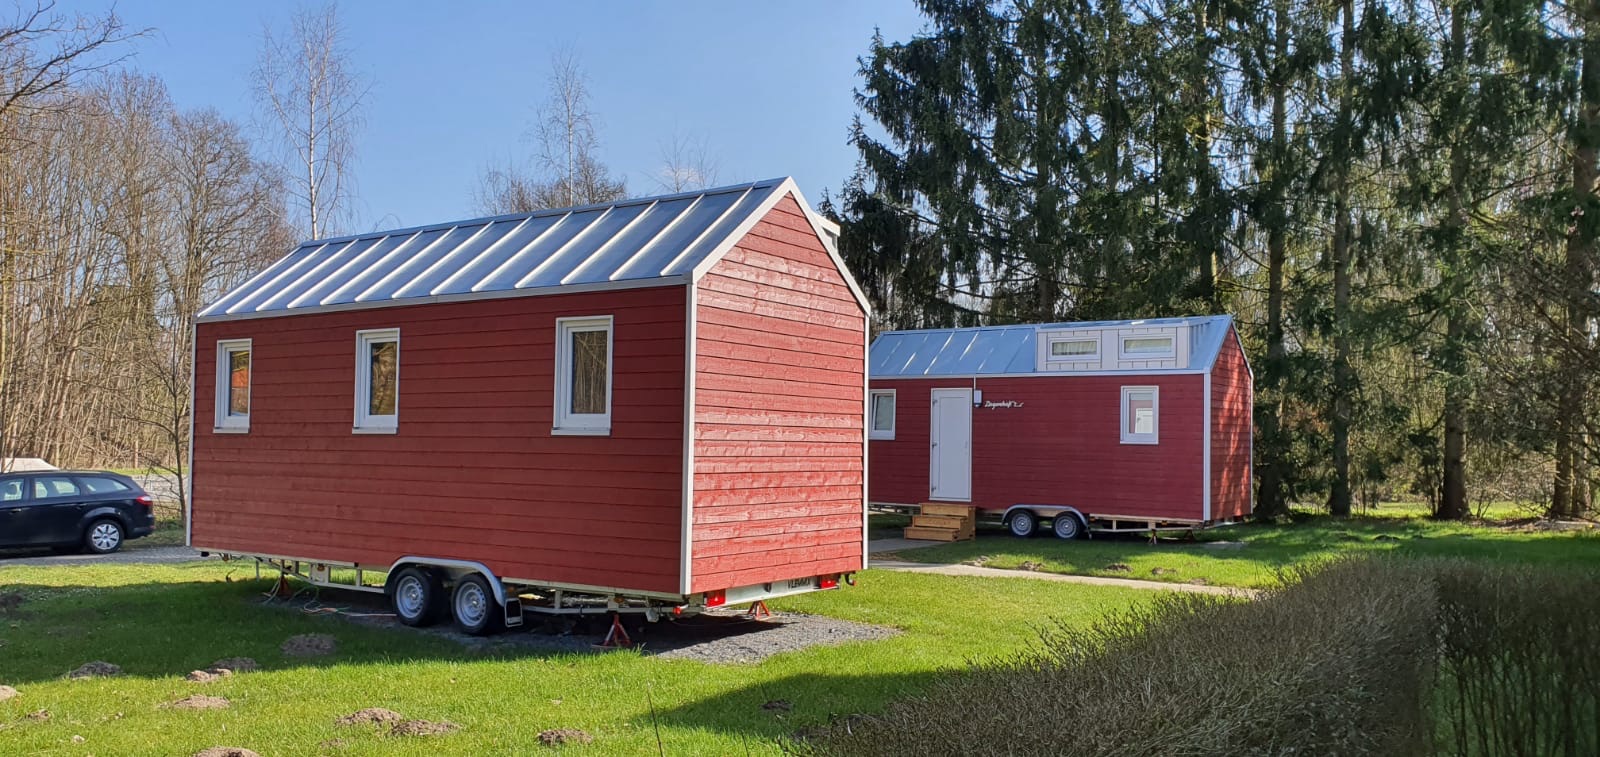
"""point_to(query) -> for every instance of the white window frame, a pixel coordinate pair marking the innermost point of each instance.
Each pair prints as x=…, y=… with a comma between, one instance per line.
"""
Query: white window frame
x=1128, y=437
x=1051, y=357
x=365, y=422
x=222, y=421
x=1168, y=354
x=563, y=422
x=873, y=432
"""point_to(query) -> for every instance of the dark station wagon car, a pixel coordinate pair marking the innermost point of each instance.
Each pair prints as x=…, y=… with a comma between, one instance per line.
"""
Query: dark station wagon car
x=94, y=510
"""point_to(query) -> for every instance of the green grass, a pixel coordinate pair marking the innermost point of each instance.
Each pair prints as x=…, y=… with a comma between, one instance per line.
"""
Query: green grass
x=159, y=622
x=1261, y=551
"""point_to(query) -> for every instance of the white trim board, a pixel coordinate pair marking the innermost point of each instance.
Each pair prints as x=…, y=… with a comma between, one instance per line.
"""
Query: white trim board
x=686, y=547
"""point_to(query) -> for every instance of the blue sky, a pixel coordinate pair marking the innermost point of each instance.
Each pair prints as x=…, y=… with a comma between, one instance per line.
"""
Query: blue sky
x=767, y=85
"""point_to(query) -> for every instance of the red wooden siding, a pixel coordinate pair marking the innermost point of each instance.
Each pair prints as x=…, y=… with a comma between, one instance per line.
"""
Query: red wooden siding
x=474, y=472
x=1062, y=446
x=1232, y=407
x=778, y=411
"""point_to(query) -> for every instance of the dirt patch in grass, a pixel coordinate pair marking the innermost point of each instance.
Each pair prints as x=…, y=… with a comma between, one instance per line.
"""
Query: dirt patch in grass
x=369, y=716
x=226, y=751
x=422, y=728
x=39, y=715
x=200, y=702
x=234, y=664
x=9, y=602
x=96, y=669
x=8, y=693
x=206, y=676
x=309, y=645
x=561, y=736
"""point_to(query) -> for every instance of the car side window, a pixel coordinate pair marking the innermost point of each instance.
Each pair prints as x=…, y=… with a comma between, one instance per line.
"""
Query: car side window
x=53, y=486
x=11, y=490
x=101, y=485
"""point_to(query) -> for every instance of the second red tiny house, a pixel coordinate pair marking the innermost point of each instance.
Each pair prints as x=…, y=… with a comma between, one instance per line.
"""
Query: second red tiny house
x=1124, y=425
x=596, y=400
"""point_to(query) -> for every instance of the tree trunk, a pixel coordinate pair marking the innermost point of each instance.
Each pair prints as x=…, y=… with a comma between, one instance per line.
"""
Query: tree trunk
x=1339, y=496
x=1270, y=499
x=1453, y=500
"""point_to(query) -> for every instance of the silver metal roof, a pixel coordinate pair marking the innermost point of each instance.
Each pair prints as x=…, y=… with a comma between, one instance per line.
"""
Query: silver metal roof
x=995, y=350
x=634, y=242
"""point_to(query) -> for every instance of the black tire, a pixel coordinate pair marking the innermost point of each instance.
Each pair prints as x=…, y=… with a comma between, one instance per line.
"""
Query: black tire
x=416, y=595
x=103, y=536
x=474, y=607
x=1067, y=526
x=1022, y=524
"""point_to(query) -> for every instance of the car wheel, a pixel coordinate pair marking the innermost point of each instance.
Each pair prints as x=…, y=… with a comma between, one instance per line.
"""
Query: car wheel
x=103, y=537
x=1022, y=524
x=474, y=606
x=1067, y=526
x=416, y=595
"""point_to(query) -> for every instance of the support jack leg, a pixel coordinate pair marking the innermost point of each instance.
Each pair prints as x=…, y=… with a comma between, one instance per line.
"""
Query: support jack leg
x=758, y=609
x=617, y=637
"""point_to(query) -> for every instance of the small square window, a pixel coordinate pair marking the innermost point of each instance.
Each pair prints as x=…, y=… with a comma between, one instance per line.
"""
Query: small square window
x=583, y=376
x=377, y=381
x=1147, y=347
x=882, y=414
x=233, y=386
x=1074, y=349
x=1141, y=414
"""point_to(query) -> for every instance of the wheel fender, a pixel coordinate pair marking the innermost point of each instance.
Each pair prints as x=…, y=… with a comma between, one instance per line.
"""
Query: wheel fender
x=1046, y=511
x=455, y=568
x=103, y=512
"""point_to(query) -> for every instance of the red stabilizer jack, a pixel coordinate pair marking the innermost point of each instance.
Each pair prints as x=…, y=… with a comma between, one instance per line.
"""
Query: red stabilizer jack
x=617, y=637
x=758, y=609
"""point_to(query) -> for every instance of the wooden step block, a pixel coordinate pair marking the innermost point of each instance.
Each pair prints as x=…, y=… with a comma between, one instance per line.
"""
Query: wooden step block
x=945, y=508
x=934, y=534
x=938, y=521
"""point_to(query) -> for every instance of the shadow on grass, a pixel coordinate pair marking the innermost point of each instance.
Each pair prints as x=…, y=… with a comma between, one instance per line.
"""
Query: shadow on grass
x=758, y=711
x=171, y=628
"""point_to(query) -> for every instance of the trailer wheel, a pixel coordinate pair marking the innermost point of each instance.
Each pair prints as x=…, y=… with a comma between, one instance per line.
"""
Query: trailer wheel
x=1022, y=524
x=473, y=603
x=1067, y=526
x=416, y=595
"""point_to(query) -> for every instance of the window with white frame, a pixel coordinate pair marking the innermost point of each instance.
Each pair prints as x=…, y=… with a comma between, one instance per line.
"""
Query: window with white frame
x=882, y=414
x=583, y=376
x=233, y=386
x=1147, y=347
x=1141, y=414
x=377, y=381
x=1074, y=349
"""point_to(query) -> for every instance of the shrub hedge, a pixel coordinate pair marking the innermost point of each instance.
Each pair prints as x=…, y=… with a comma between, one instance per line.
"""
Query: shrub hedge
x=1361, y=657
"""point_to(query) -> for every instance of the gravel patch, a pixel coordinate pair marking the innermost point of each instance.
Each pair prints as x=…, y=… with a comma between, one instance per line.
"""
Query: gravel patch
x=560, y=736
x=733, y=638
x=8, y=693
x=96, y=669
x=422, y=728
x=309, y=645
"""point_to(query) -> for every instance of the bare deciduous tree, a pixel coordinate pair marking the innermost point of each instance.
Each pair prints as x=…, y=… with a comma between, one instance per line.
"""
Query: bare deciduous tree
x=311, y=99
x=42, y=51
x=569, y=171
x=686, y=164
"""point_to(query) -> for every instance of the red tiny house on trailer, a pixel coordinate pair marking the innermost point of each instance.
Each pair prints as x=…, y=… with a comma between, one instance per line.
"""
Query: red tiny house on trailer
x=1142, y=421
x=646, y=399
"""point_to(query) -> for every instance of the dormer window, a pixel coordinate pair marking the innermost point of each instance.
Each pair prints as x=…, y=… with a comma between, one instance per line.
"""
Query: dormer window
x=1147, y=347
x=1074, y=349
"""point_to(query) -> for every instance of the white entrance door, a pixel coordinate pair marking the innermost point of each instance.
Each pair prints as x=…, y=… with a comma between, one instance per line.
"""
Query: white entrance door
x=950, y=429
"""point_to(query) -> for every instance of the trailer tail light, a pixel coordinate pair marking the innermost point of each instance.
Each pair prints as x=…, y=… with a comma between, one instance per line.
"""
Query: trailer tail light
x=144, y=499
x=716, y=598
x=828, y=582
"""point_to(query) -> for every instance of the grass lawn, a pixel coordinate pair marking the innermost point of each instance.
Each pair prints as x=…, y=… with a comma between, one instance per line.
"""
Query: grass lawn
x=1252, y=555
x=160, y=621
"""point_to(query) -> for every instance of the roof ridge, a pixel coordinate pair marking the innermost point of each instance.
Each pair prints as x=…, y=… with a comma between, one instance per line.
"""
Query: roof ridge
x=627, y=202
